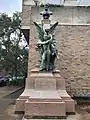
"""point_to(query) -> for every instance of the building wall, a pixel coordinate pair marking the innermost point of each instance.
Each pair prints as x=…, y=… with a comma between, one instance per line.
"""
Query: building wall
x=74, y=56
x=60, y=2
x=85, y=2
x=26, y=13
x=73, y=43
x=64, y=15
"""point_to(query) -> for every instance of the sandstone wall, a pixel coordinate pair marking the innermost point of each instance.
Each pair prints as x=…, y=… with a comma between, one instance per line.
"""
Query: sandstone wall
x=73, y=43
x=65, y=15
x=26, y=13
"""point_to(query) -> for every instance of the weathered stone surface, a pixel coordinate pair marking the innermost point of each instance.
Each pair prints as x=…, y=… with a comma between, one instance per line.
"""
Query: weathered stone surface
x=45, y=83
x=43, y=92
x=20, y=105
x=73, y=42
x=74, y=51
x=44, y=109
x=65, y=15
x=26, y=11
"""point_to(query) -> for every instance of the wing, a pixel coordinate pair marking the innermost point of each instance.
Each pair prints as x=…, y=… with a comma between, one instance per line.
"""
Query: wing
x=51, y=30
x=40, y=31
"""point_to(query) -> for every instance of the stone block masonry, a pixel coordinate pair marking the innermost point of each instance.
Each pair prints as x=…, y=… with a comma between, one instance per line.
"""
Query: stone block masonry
x=43, y=96
x=73, y=43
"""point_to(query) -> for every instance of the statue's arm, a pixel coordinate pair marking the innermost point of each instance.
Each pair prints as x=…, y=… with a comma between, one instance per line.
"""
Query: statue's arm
x=45, y=42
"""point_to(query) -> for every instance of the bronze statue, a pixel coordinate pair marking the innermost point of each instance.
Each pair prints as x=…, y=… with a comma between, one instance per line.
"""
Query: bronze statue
x=46, y=43
x=46, y=46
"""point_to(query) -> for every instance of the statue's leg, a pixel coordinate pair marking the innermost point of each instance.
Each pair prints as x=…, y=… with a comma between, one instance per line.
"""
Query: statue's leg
x=48, y=60
x=42, y=66
x=53, y=61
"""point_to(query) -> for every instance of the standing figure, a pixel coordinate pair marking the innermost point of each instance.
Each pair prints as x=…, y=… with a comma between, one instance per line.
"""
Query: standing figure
x=46, y=46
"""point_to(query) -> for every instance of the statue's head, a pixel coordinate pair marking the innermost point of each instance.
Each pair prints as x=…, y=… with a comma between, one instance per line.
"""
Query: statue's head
x=45, y=36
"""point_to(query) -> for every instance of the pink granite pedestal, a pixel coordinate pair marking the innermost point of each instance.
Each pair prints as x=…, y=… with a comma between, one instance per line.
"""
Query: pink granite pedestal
x=45, y=95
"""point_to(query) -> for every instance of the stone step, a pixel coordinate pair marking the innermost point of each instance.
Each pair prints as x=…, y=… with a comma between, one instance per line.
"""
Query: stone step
x=44, y=109
x=46, y=119
x=45, y=96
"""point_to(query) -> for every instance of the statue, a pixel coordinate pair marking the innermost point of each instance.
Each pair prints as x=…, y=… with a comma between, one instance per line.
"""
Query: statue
x=46, y=43
x=47, y=47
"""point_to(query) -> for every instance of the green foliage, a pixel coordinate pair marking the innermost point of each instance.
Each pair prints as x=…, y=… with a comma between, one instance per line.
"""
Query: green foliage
x=13, y=52
x=18, y=81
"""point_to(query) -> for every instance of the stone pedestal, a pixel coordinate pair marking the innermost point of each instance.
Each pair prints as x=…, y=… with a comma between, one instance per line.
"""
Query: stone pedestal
x=45, y=95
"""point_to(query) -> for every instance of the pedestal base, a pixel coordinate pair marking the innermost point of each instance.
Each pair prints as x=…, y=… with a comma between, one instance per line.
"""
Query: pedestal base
x=45, y=95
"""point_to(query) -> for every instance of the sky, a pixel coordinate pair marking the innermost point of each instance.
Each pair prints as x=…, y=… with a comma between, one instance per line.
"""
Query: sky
x=10, y=6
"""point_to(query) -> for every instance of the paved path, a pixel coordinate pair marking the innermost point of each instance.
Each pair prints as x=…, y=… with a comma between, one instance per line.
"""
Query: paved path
x=7, y=104
x=7, y=107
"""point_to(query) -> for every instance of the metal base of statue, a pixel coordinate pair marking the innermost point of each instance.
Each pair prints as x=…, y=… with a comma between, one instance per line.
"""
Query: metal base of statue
x=45, y=95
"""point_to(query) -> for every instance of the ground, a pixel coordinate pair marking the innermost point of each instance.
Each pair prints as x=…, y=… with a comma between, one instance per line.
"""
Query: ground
x=7, y=106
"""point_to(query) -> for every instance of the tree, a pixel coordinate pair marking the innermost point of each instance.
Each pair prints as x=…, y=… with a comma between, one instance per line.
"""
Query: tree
x=13, y=53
